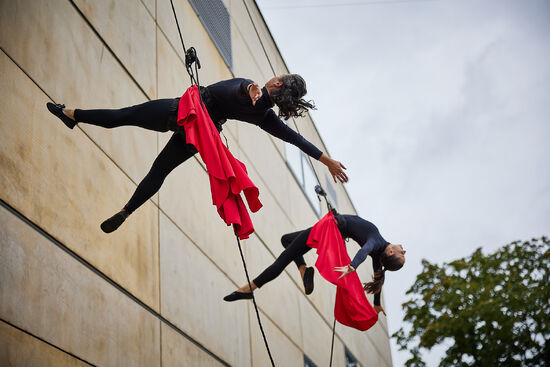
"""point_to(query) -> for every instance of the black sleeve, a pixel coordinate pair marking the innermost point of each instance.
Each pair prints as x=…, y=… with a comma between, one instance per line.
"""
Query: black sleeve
x=364, y=251
x=242, y=94
x=276, y=127
x=376, y=266
x=242, y=90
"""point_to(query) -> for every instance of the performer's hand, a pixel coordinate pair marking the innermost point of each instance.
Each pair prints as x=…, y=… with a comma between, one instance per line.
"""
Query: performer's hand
x=335, y=168
x=345, y=270
x=255, y=92
x=378, y=309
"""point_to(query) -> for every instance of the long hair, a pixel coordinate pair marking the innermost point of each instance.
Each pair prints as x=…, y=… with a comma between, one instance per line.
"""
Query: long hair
x=391, y=263
x=289, y=97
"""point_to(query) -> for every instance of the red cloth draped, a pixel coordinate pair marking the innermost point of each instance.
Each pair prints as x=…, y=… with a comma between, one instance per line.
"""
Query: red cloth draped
x=352, y=307
x=228, y=176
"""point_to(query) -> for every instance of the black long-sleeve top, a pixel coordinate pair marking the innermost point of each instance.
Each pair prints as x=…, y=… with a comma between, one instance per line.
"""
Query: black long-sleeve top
x=368, y=237
x=229, y=99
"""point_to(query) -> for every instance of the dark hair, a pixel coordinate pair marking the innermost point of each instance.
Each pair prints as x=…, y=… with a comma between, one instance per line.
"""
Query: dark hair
x=391, y=263
x=289, y=97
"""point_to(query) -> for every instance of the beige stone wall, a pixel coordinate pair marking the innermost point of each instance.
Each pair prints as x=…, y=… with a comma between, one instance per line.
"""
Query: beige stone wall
x=149, y=294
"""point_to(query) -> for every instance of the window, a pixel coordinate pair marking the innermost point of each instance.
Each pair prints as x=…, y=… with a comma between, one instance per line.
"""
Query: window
x=215, y=18
x=302, y=170
x=308, y=362
x=331, y=191
x=351, y=361
x=294, y=161
x=310, y=180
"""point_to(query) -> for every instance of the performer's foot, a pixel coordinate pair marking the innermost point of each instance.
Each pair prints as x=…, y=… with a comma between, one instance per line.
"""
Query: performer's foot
x=235, y=296
x=57, y=110
x=308, y=280
x=111, y=224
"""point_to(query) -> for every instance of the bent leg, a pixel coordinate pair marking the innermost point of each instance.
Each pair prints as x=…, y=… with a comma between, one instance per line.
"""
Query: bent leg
x=151, y=115
x=296, y=249
x=172, y=155
x=286, y=240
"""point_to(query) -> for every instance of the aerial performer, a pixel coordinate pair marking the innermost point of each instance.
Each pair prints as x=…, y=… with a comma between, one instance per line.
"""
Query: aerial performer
x=238, y=98
x=385, y=257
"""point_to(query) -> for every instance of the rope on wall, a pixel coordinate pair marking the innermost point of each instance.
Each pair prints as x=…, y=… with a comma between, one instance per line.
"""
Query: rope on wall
x=254, y=299
x=190, y=59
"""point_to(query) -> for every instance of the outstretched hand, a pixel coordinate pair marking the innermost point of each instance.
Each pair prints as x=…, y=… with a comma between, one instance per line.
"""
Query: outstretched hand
x=255, y=92
x=345, y=270
x=378, y=309
x=335, y=168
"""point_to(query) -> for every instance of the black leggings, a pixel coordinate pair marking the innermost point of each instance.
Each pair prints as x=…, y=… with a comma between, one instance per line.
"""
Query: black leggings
x=295, y=248
x=152, y=115
x=174, y=153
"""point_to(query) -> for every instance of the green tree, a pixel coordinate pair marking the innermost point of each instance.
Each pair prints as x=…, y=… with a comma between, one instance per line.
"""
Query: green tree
x=490, y=310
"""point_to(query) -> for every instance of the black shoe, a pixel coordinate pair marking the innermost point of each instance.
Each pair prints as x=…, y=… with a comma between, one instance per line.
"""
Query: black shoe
x=235, y=296
x=57, y=110
x=111, y=224
x=308, y=280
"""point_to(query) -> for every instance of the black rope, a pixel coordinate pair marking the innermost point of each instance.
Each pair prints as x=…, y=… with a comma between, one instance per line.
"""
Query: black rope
x=253, y=298
x=190, y=55
x=332, y=345
x=275, y=74
x=190, y=58
x=178, y=25
x=322, y=193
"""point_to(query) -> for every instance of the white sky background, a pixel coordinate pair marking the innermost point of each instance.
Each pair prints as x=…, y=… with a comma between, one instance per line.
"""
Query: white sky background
x=440, y=109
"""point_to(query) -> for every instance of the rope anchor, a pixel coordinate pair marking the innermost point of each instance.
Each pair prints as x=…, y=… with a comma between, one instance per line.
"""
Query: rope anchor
x=321, y=192
x=191, y=57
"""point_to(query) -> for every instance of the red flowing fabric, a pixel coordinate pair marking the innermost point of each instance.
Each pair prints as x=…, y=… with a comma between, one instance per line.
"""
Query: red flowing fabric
x=352, y=308
x=228, y=175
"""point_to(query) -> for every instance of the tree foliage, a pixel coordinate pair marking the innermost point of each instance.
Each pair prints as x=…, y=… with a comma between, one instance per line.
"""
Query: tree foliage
x=489, y=310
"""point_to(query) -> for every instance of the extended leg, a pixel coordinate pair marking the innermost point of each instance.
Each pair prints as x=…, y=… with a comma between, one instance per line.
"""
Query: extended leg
x=151, y=115
x=174, y=153
x=298, y=247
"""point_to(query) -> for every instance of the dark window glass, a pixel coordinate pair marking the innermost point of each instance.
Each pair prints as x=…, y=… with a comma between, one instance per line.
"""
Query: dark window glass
x=308, y=362
x=215, y=18
x=351, y=361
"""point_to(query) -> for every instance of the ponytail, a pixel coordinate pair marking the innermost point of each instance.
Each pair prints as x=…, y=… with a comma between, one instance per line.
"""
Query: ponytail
x=377, y=280
x=387, y=262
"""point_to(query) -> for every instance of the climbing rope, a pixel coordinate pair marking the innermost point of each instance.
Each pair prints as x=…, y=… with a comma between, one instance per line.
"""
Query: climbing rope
x=253, y=298
x=275, y=74
x=322, y=193
x=190, y=54
x=190, y=59
x=332, y=344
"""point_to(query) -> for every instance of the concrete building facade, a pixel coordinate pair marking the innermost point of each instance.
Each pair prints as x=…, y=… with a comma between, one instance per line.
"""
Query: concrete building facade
x=149, y=294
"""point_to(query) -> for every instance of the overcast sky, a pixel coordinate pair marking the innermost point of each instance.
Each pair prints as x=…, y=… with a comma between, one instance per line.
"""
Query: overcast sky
x=440, y=109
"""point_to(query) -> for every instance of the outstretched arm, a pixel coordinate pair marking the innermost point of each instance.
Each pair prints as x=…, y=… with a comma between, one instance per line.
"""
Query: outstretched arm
x=274, y=126
x=363, y=252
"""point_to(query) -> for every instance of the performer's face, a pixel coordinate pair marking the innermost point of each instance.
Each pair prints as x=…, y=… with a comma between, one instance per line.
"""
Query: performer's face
x=396, y=250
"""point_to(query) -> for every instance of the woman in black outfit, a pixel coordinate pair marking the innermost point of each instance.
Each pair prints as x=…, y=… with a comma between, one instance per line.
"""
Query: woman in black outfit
x=385, y=256
x=237, y=98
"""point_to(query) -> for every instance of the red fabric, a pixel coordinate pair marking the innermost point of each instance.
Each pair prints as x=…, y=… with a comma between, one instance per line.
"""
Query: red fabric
x=228, y=176
x=352, y=307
